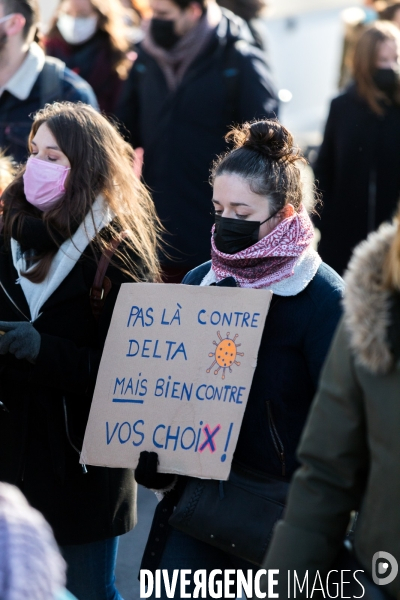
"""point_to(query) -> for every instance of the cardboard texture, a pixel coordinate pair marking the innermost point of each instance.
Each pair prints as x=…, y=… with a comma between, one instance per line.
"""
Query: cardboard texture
x=175, y=376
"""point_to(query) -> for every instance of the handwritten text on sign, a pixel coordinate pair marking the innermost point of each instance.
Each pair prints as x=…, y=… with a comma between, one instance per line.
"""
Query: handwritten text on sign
x=175, y=377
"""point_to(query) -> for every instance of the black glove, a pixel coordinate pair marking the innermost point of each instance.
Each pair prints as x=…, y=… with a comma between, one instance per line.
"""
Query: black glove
x=146, y=472
x=20, y=338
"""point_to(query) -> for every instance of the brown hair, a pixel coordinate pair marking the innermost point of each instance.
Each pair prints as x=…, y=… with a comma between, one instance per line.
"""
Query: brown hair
x=28, y=8
x=388, y=13
x=265, y=156
x=110, y=13
x=183, y=4
x=140, y=7
x=364, y=62
x=101, y=164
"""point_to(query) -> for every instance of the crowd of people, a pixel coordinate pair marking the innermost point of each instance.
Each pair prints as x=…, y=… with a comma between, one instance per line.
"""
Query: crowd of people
x=140, y=142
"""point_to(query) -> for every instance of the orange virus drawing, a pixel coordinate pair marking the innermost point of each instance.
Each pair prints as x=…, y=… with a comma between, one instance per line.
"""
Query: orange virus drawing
x=225, y=354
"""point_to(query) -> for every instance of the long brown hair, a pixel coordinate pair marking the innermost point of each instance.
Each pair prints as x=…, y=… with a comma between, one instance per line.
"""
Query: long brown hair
x=101, y=164
x=110, y=14
x=364, y=62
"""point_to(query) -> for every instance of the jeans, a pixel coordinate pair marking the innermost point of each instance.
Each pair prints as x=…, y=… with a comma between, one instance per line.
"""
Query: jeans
x=185, y=552
x=90, y=572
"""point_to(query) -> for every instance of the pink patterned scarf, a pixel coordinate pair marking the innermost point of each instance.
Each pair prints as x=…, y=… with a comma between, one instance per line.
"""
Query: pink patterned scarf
x=271, y=259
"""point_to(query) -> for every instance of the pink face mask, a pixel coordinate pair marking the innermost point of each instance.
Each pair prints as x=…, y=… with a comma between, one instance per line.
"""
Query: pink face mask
x=44, y=183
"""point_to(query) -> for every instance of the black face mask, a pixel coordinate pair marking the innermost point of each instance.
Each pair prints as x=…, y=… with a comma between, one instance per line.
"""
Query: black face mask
x=387, y=80
x=162, y=32
x=233, y=235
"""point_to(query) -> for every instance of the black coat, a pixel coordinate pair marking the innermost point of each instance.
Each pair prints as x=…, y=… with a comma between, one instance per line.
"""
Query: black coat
x=358, y=174
x=183, y=131
x=46, y=406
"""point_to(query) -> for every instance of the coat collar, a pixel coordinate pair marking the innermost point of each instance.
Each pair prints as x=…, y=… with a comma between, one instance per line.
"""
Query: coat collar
x=367, y=304
x=21, y=83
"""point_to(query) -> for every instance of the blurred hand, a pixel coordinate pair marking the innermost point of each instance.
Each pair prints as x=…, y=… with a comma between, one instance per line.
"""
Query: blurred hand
x=146, y=472
x=21, y=339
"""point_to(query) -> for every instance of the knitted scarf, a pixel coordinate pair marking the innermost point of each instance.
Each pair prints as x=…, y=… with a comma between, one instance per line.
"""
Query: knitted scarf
x=271, y=259
x=175, y=62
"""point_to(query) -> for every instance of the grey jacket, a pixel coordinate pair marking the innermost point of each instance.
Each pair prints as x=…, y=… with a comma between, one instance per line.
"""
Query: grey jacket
x=350, y=449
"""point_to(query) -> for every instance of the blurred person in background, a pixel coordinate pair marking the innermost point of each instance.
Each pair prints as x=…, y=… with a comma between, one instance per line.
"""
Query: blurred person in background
x=391, y=13
x=197, y=72
x=138, y=9
x=357, y=169
x=356, y=19
x=90, y=37
x=27, y=79
x=62, y=262
x=351, y=445
x=249, y=11
x=31, y=567
x=6, y=172
x=134, y=11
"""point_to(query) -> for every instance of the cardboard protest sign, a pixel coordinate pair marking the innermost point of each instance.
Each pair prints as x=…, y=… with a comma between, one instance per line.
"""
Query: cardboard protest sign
x=175, y=376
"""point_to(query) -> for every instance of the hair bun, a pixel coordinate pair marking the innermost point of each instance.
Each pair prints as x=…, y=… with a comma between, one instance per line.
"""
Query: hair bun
x=269, y=138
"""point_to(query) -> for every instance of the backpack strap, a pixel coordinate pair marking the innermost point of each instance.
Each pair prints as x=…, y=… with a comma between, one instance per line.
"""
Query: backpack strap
x=51, y=79
x=101, y=284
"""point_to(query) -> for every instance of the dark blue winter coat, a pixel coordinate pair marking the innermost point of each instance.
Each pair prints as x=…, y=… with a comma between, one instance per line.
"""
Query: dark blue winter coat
x=183, y=131
x=295, y=342
x=16, y=115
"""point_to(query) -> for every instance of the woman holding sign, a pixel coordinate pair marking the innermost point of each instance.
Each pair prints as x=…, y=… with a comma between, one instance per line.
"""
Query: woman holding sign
x=262, y=239
x=63, y=258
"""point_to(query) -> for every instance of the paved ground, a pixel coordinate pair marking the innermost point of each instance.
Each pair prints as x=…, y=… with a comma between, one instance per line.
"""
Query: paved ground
x=131, y=547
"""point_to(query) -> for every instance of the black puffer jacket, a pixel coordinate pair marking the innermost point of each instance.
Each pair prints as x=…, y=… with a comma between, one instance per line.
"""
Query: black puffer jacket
x=46, y=406
x=183, y=131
